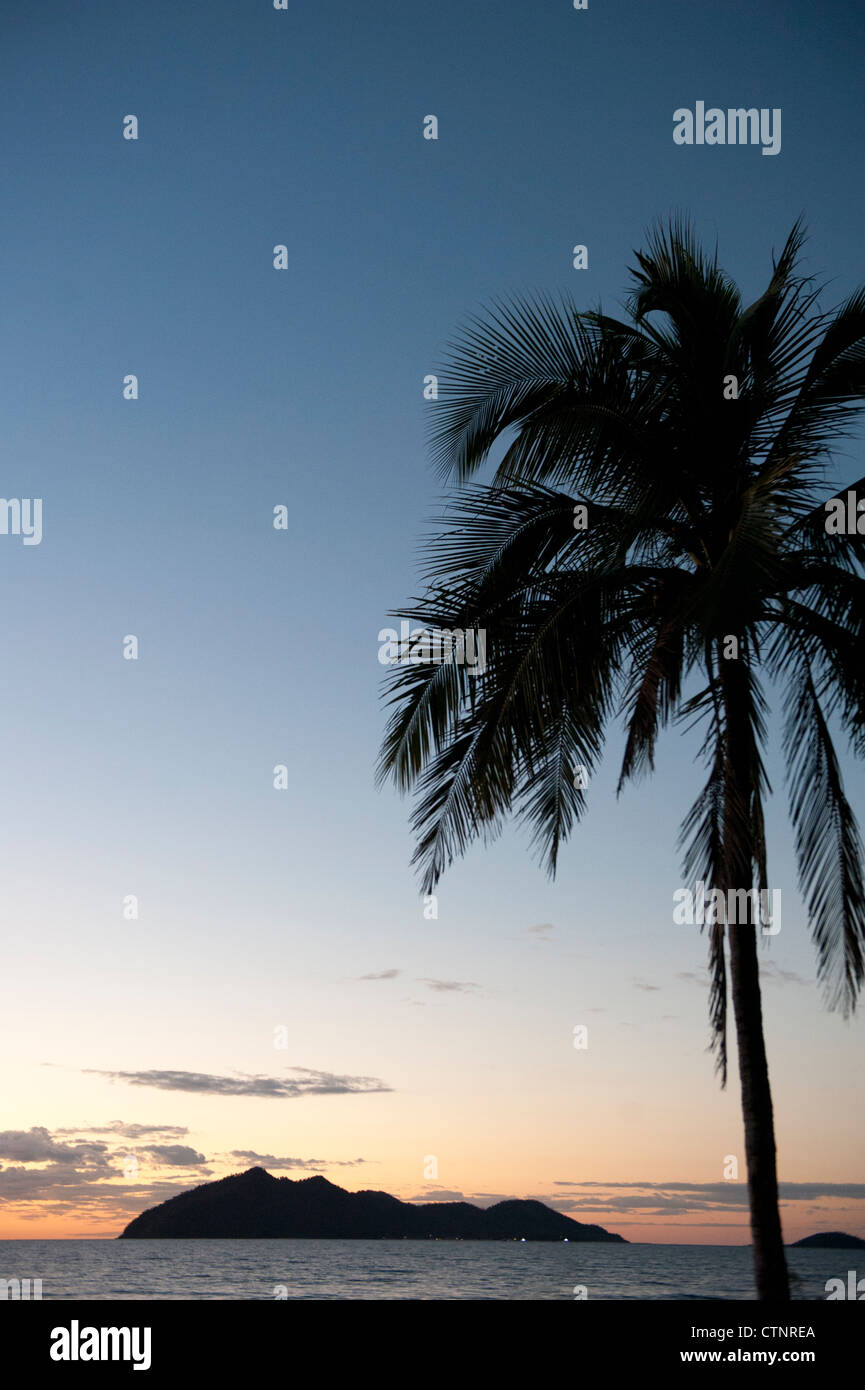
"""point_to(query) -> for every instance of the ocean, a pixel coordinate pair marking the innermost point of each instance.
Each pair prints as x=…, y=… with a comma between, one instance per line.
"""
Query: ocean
x=403, y=1269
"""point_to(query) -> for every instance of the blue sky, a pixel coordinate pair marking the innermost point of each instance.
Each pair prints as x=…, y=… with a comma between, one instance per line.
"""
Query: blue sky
x=260, y=908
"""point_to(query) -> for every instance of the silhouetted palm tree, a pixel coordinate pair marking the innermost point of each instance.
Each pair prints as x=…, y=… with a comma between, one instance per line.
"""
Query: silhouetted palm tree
x=704, y=523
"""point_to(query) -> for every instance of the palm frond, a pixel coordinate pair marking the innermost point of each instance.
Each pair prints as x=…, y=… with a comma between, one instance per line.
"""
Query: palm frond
x=828, y=845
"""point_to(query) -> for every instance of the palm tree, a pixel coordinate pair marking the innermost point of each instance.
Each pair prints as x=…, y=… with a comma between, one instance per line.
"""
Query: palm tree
x=696, y=434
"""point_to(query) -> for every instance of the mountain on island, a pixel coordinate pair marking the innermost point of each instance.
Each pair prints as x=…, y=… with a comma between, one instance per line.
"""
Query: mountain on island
x=829, y=1240
x=255, y=1205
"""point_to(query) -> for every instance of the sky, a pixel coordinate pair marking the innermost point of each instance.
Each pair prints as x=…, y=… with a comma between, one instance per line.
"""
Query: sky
x=281, y=997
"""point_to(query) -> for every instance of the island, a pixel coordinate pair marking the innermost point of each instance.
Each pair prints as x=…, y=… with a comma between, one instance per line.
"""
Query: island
x=257, y=1206
x=829, y=1240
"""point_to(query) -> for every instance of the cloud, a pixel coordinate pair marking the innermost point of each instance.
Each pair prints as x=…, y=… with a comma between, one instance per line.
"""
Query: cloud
x=541, y=931
x=683, y=1198
x=641, y=984
x=477, y=1199
x=95, y=1183
x=37, y=1145
x=771, y=973
x=84, y=1161
x=176, y=1155
x=449, y=986
x=272, y=1161
x=382, y=975
x=129, y=1131
x=307, y=1081
x=21, y=1184
x=438, y=1194
x=58, y=1190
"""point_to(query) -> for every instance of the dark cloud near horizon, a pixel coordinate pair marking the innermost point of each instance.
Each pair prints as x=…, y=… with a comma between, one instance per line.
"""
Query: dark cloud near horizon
x=90, y=1179
x=800, y=1189
x=306, y=1081
x=61, y=1191
x=176, y=1155
x=382, y=975
x=449, y=986
x=93, y=1181
x=476, y=1199
x=129, y=1131
x=38, y=1145
x=62, y=1165
x=273, y=1161
x=682, y=1198
x=443, y=1194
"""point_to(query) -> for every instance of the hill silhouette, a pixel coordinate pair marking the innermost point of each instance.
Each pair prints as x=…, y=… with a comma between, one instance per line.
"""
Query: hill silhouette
x=829, y=1240
x=255, y=1205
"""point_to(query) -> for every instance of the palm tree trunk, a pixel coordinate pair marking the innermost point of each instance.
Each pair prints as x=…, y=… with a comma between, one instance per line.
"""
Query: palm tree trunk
x=739, y=859
x=770, y=1266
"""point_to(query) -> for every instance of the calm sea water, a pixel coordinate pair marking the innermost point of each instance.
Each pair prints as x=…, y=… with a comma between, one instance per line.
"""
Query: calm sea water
x=381, y=1269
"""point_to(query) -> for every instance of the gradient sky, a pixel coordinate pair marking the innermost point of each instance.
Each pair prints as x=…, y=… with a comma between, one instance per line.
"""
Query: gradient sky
x=126, y=1042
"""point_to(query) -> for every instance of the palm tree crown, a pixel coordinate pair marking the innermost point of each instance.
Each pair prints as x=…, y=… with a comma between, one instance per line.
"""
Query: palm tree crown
x=696, y=434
